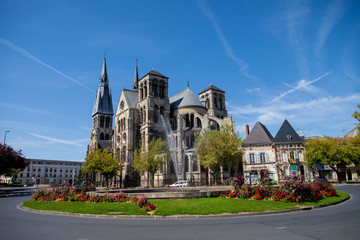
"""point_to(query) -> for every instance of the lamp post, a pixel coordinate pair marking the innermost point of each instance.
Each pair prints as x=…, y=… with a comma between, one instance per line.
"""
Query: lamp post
x=5, y=136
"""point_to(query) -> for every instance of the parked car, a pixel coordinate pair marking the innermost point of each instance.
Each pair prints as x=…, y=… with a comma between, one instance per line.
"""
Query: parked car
x=180, y=184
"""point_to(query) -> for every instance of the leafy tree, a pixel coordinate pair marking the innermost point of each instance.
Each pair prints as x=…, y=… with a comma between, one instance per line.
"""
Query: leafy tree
x=103, y=162
x=356, y=115
x=219, y=148
x=151, y=160
x=332, y=152
x=11, y=161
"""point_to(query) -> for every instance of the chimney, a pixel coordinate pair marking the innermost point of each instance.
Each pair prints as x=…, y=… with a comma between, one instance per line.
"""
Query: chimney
x=247, y=130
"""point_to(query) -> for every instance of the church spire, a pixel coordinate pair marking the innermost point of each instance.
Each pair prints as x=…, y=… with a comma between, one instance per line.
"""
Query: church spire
x=136, y=78
x=103, y=100
x=104, y=77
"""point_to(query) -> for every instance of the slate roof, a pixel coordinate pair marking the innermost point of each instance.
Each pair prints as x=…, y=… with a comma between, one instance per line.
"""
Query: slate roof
x=185, y=98
x=211, y=87
x=131, y=97
x=155, y=73
x=103, y=100
x=287, y=134
x=259, y=135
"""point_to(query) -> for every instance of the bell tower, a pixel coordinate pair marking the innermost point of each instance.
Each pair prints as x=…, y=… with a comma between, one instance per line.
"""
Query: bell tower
x=153, y=104
x=102, y=129
x=214, y=100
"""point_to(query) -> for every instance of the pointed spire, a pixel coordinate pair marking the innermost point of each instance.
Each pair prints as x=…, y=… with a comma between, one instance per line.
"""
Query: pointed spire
x=136, y=77
x=188, y=84
x=104, y=77
x=103, y=100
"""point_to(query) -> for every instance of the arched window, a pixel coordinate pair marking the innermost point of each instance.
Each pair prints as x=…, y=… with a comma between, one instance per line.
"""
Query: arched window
x=198, y=123
x=119, y=125
x=102, y=121
x=145, y=90
x=195, y=165
x=102, y=136
x=187, y=120
x=186, y=163
x=107, y=122
x=124, y=137
x=192, y=120
x=107, y=137
x=162, y=110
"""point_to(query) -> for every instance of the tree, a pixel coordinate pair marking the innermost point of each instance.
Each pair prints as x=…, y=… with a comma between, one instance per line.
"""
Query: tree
x=219, y=148
x=11, y=161
x=103, y=162
x=151, y=160
x=332, y=152
x=356, y=115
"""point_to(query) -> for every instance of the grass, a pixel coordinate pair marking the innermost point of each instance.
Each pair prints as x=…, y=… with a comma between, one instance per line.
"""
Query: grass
x=205, y=206
x=87, y=208
x=198, y=206
x=328, y=200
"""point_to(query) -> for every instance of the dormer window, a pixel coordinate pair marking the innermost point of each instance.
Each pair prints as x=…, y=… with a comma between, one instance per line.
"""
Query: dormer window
x=122, y=105
x=289, y=136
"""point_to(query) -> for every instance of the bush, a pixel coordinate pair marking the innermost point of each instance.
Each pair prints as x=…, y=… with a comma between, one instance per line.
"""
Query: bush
x=79, y=194
x=293, y=190
x=236, y=181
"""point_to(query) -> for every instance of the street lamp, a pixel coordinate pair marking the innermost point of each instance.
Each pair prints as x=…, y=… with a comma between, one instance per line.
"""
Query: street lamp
x=5, y=136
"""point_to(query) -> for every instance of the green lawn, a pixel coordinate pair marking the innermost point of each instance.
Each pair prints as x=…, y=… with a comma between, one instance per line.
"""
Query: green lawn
x=328, y=200
x=198, y=206
x=87, y=208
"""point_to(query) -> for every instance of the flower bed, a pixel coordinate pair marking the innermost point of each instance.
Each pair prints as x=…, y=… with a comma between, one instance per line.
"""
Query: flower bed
x=291, y=191
x=80, y=195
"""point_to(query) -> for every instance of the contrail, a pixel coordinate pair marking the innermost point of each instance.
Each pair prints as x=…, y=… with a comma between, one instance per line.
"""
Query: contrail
x=28, y=55
x=301, y=84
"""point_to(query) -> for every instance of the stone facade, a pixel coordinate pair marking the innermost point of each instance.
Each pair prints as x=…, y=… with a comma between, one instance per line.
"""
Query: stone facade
x=149, y=112
x=146, y=111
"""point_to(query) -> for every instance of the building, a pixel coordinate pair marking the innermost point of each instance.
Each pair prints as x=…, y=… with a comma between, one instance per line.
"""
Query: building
x=282, y=156
x=146, y=111
x=54, y=172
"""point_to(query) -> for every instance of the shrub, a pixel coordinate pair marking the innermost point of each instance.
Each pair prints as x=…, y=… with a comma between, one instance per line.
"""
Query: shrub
x=66, y=193
x=294, y=190
x=236, y=181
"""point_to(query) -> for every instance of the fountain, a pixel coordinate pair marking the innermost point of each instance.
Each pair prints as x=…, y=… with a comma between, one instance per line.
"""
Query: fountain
x=172, y=146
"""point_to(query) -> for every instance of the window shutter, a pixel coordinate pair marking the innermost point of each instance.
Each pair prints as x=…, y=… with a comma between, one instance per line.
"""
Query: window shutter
x=267, y=157
x=248, y=158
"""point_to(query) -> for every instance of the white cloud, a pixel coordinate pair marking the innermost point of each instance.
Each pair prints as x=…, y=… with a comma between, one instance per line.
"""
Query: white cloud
x=302, y=84
x=24, y=109
x=244, y=67
x=57, y=140
x=332, y=15
x=295, y=16
x=253, y=90
x=30, y=56
x=331, y=113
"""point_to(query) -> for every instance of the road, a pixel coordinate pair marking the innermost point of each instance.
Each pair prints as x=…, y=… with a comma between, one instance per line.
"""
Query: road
x=341, y=221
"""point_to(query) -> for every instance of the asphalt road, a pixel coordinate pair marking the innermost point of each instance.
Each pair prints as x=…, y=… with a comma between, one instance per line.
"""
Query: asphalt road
x=341, y=221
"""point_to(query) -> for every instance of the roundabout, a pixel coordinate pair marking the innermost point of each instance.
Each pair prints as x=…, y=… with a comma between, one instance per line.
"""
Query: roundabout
x=334, y=222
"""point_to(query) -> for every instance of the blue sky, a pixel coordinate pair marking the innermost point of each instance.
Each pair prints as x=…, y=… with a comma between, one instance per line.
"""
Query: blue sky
x=297, y=60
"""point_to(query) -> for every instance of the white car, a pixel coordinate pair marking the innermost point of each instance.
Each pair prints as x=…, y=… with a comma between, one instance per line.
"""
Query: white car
x=180, y=184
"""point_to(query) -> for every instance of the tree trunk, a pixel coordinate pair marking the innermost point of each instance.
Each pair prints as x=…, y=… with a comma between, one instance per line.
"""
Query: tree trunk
x=215, y=177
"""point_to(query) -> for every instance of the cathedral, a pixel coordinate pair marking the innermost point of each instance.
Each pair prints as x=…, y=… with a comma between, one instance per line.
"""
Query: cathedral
x=146, y=111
